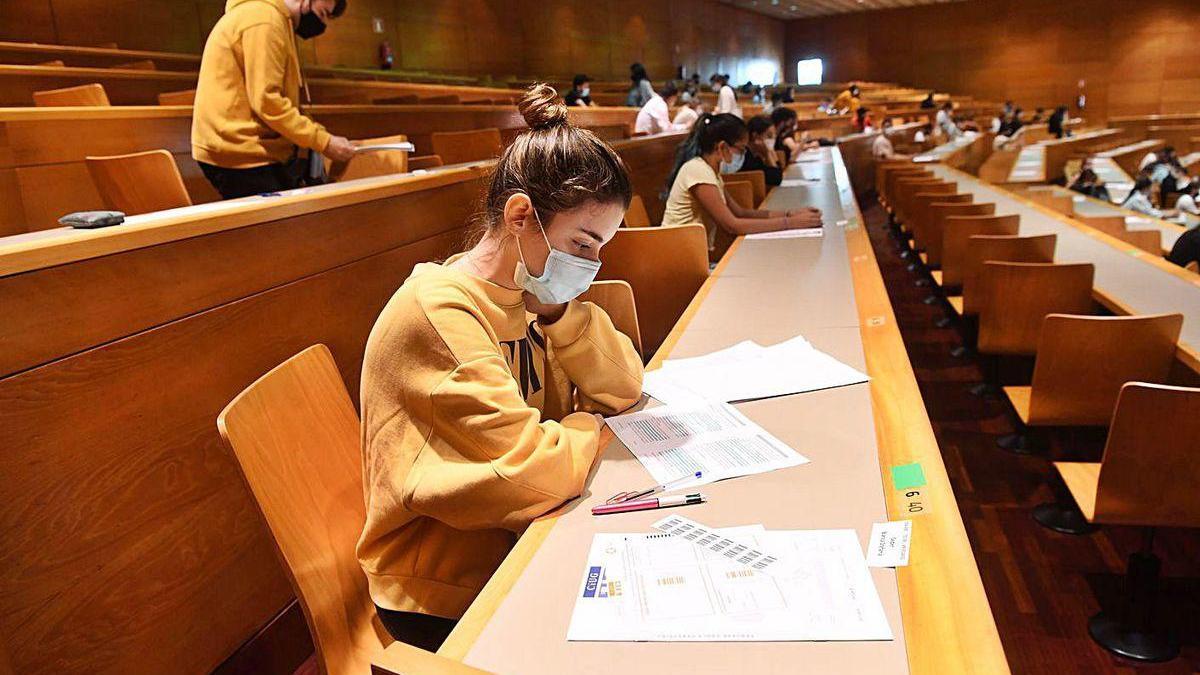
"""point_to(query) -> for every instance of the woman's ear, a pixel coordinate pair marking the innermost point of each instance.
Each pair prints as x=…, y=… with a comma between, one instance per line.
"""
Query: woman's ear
x=518, y=214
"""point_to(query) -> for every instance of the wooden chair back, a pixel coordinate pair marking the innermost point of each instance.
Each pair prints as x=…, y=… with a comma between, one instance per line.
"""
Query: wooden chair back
x=1193, y=266
x=441, y=99
x=1106, y=224
x=424, y=162
x=957, y=230
x=52, y=63
x=185, y=97
x=1149, y=473
x=982, y=248
x=906, y=187
x=938, y=212
x=758, y=181
x=637, y=216
x=665, y=266
x=295, y=435
x=142, y=182
x=455, y=147
x=892, y=174
x=1149, y=241
x=740, y=191
x=1083, y=361
x=1017, y=297
x=82, y=95
x=1061, y=203
x=369, y=164
x=615, y=297
x=140, y=64
x=887, y=166
x=918, y=208
x=402, y=99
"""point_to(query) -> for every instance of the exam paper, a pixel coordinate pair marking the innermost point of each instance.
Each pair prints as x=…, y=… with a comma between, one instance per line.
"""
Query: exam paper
x=790, y=234
x=889, y=544
x=716, y=439
x=383, y=147
x=749, y=371
x=655, y=587
x=797, y=182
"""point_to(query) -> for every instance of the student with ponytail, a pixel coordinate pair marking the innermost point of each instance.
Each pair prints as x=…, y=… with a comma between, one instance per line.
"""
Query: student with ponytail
x=696, y=193
x=484, y=378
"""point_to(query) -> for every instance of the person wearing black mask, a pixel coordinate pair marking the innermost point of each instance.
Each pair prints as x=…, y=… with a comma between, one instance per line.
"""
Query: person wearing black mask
x=247, y=128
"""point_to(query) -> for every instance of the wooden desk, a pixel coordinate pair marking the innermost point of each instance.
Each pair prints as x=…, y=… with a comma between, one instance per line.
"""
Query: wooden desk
x=31, y=53
x=1091, y=207
x=829, y=290
x=1128, y=281
x=1045, y=161
x=1137, y=126
x=856, y=150
x=967, y=152
x=1128, y=157
x=124, y=87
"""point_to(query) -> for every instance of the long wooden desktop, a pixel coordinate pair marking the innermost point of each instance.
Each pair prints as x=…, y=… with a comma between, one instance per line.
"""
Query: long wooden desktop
x=829, y=290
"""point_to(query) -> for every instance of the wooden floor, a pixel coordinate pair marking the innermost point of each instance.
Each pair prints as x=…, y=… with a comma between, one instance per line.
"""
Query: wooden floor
x=1043, y=586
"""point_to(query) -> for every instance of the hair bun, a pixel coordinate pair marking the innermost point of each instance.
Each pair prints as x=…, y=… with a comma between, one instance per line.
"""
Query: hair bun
x=542, y=108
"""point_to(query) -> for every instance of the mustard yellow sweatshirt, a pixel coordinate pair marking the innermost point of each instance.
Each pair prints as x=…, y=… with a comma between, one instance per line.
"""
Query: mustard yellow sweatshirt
x=248, y=95
x=475, y=420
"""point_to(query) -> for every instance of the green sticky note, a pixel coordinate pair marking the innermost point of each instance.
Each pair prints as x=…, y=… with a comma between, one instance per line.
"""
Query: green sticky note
x=907, y=476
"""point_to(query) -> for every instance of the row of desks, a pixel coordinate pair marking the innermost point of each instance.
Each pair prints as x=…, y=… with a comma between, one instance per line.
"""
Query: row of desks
x=829, y=290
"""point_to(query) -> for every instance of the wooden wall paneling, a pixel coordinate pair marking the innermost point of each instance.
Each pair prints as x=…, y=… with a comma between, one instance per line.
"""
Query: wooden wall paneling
x=132, y=24
x=28, y=20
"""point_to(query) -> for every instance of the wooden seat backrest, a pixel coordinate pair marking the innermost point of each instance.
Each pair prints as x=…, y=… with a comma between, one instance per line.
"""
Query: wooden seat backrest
x=369, y=164
x=424, y=162
x=140, y=64
x=907, y=187
x=402, y=99
x=1149, y=473
x=758, y=181
x=665, y=266
x=441, y=99
x=981, y=248
x=185, y=97
x=637, y=216
x=1193, y=266
x=938, y=212
x=740, y=191
x=1106, y=224
x=1017, y=297
x=957, y=230
x=1149, y=241
x=615, y=297
x=1061, y=203
x=82, y=95
x=893, y=178
x=142, y=182
x=1082, y=362
x=295, y=435
x=52, y=63
x=887, y=166
x=918, y=209
x=455, y=147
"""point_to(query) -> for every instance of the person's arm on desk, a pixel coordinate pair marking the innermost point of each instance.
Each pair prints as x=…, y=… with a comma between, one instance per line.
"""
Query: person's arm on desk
x=739, y=220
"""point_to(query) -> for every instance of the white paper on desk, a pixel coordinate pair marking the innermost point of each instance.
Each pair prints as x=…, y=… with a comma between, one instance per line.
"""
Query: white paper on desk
x=384, y=147
x=797, y=182
x=716, y=439
x=802, y=233
x=749, y=371
x=654, y=587
x=889, y=544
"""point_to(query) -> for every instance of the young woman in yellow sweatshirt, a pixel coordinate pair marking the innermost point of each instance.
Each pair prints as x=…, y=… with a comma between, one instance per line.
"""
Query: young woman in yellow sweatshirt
x=483, y=375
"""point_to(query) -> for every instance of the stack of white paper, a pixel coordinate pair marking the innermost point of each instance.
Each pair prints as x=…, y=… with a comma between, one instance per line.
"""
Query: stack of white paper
x=790, y=234
x=656, y=587
x=715, y=439
x=749, y=371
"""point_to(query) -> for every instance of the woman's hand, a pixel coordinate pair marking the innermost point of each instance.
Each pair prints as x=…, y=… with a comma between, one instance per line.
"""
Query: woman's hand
x=805, y=217
x=546, y=313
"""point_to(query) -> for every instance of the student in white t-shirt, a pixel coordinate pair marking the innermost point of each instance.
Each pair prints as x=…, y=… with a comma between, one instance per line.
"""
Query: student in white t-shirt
x=696, y=192
x=1139, y=198
x=946, y=123
x=726, y=98
x=655, y=116
x=688, y=113
x=881, y=147
x=1189, y=211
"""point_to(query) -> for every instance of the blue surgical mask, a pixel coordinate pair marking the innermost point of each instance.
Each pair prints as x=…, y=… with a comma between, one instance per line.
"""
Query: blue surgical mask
x=585, y=91
x=564, y=278
x=734, y=165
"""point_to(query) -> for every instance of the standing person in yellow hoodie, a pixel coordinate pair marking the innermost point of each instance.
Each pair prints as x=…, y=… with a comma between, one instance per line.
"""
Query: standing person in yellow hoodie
x=483, y=376
x=246, y=121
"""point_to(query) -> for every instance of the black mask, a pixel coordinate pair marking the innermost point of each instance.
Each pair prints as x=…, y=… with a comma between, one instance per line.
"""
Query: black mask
x=310, y=26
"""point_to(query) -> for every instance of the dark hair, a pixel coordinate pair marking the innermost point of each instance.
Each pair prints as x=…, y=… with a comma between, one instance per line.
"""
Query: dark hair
x=781, y=115
x=637, y=73
x=339, y=8
x=1142, y=183
x=668, y=90
x=1167, y=149
x=1088, y=175
x=559, y=165
x=759, y=124
x=708, y=131
x=580, y=79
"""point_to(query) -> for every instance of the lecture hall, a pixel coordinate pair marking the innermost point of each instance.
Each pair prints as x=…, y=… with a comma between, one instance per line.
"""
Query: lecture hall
x=544, y=337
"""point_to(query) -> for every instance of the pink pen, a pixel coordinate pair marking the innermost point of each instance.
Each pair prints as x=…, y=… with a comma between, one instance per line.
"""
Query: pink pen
x=648, y=504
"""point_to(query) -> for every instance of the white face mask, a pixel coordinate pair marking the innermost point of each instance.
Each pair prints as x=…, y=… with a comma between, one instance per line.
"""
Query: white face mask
x=735, y=164
x=585, y=91
x=716, y=86
x=564, y=278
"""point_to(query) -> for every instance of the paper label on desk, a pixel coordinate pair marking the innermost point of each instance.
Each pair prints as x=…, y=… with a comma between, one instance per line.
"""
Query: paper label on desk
x=790, y=234
x=889, y=544
x=713, y=541
x=797, y=182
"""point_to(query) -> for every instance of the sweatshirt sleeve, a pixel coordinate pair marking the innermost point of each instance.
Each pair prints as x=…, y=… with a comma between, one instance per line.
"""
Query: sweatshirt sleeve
x=265, y=60
x=599, y=360
x=524, y=465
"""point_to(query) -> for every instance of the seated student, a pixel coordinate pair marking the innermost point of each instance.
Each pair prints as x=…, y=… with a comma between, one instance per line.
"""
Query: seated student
x=1139, y=198
x=691, y=89
x=760, y=152
x=726, y=98
x=927, y=102
x=862, y=120
x=1057, y=124
x=1167, y=172
x=482, y=374
x=1186, y=249
x=1151, y=157
x=945, y=122
x=642, y=90
x=1012, y=124
x=696, y=193
x=921, y=137
x=1088, y=183
x=848, y=100
x=688, y=113
x=881, y=147
x=1189, y=211
x=787, y=95
x=775, y=102
x=826, y=106
x=785, y=121
x=655, y=116
x=1039, y=116
x=581, y=93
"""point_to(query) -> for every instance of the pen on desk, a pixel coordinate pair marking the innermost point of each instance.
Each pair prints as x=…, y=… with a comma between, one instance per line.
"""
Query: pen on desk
x=669, y=485
x=648, y=504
